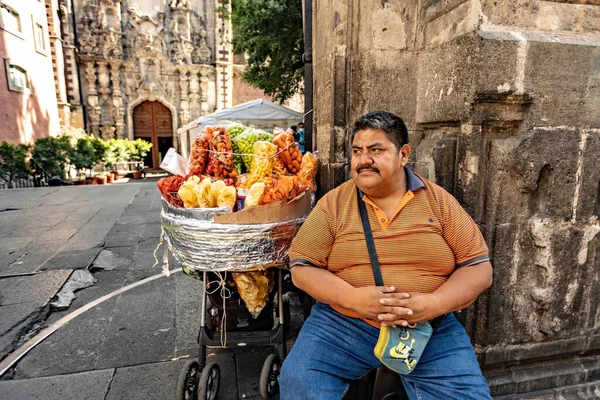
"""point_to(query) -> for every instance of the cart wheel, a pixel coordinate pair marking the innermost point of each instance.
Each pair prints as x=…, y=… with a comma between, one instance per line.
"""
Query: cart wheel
x=268, y=377
x=208, y=387
x=187, y=383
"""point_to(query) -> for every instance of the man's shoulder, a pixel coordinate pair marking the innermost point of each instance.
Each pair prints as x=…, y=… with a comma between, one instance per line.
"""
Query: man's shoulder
x=433, y=189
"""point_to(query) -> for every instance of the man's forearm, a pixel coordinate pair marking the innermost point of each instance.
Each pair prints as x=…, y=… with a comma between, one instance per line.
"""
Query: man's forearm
x=322, y=285
x=463, y=287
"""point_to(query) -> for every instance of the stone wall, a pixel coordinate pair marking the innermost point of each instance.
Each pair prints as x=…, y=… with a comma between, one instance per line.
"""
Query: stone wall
x=501, y=99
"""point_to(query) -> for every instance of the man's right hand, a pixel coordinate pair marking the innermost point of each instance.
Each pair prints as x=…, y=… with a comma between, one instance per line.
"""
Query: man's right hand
x=366, y=300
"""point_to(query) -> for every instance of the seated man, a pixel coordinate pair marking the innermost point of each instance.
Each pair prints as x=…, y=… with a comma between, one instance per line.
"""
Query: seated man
x=433, y=261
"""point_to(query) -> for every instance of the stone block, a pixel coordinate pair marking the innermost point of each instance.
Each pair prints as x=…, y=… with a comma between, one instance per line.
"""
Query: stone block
x=558, y=77
x=588, y=183
x=389, y=88
x=579, y=16
x=447, y=80
x=436, y=159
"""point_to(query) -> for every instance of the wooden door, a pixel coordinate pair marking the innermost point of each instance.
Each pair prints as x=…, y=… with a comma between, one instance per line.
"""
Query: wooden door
x=152, y=121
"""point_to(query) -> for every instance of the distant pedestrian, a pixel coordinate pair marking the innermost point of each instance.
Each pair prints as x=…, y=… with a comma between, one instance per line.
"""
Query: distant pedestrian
x=300, y=140
x=294, y=130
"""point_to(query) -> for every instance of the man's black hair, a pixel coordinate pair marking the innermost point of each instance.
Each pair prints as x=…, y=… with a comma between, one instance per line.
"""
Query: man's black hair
x=391, y=124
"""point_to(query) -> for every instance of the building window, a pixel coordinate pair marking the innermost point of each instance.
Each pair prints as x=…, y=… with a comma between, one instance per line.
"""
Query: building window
x=40, y=38
x=10, y=19
x=17, y=77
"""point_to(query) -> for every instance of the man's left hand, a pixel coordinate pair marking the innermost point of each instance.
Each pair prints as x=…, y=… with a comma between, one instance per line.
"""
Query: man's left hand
x=424, y=307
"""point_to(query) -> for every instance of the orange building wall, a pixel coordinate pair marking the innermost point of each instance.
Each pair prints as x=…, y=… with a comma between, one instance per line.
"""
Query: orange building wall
x=25, y=117
x=243, y=92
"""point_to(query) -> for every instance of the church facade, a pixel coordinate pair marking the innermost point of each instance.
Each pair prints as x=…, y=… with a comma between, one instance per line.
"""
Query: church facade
x=144, y=68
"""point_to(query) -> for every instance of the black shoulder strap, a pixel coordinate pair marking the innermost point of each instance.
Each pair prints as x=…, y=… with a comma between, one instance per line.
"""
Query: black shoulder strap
x=369, y=237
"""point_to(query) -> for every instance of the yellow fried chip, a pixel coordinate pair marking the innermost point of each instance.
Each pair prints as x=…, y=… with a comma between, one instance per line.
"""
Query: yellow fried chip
x=202, y=191
x=215, y=190
x=227, y=197
x=187, y=194
x=254, y=194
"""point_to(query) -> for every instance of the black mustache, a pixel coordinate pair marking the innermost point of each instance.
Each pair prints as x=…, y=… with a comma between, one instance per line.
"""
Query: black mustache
x=367, y=168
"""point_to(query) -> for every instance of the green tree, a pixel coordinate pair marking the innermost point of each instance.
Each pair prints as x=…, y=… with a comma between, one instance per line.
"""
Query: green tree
x=118, y=151
x=142, y=148
x=13, y=163
x=51, y=155
x=86, y=152
x=270, y=33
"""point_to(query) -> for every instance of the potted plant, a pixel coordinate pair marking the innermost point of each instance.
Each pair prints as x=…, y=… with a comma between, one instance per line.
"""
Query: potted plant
x=139, y=151
x=13, y=164
x=118, y=151
x=50, y=156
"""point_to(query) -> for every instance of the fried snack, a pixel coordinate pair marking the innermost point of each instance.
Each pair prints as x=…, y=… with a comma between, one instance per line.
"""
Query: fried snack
x=286, y=188
x=308, y=167
x=221, y=155
x=168, y=188
x=278, y=168
x=308, y=170
x=199, y=155
x=254, y=288
x=187, y=193
x=262, y=163
x=215, y=190
x=227, y=197
x=288, y=150
x=203, y=193
x=255, y=194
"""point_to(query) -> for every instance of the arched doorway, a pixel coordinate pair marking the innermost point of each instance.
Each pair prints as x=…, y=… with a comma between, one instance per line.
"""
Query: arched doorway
x=152, y=121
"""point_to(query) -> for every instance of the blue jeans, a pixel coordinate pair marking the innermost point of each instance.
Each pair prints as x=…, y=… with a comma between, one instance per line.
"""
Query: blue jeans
x=332, y=350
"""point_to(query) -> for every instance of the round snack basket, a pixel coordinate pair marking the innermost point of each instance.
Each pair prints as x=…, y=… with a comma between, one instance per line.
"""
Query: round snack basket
x=234, y=254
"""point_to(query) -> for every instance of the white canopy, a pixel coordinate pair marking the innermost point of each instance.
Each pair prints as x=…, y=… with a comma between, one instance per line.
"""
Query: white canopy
x=259, y=113
x=259, y=109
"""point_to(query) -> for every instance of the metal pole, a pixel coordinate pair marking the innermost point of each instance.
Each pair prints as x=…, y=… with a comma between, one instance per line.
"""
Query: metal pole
x=308, y=75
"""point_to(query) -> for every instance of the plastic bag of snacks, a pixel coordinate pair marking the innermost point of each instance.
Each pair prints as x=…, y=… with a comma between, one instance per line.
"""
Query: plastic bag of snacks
x=308, y=169
x=199, y=155
x=263, y=158
x=254, y=288
x=221, y=156
x=288, y=150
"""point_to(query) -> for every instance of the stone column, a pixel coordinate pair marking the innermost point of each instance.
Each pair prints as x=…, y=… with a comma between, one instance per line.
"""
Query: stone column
x=204, y=107
x=184, y=103
x=194, y=93
x=93, y=108
x=117, y=99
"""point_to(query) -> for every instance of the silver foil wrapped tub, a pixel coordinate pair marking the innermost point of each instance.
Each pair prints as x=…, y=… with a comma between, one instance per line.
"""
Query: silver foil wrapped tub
x=215, y=239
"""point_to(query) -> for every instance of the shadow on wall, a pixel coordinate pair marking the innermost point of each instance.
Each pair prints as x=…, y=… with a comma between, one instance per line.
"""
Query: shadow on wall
x=33, y=122
x=23, y=117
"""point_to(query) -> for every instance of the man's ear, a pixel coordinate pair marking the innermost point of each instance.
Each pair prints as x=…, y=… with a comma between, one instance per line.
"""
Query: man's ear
x=404, y=154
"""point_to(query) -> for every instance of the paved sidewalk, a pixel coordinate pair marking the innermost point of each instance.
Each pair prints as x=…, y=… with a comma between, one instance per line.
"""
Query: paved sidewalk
x=130, y=346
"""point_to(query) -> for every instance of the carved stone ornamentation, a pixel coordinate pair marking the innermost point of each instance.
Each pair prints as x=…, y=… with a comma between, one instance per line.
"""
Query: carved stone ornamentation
x=107, y=132
x=90, y=78
x=202, y=54
x=87, y=42
x=103, y=81
x=129, y=57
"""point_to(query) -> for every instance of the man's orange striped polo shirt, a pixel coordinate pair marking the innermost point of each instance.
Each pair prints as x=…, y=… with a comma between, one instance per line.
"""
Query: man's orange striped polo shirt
x=428, y=237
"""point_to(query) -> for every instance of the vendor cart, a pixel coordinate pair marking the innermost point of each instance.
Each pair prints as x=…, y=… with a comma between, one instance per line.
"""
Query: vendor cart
x=216, y=248
x=199, y=379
